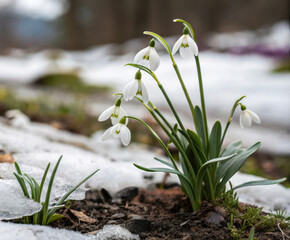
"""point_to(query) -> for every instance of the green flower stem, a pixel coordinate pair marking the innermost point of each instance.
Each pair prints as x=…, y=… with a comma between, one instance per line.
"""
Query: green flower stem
x=168, y=101
x=155, y=109
x=202, y=100
x=157, y=138
x=236, y=104
x=185, y=93
x=176, y=143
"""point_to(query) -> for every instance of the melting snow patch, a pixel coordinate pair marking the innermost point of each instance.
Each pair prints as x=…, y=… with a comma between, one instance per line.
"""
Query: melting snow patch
x=115, y=232
x=11, y=231
x=12, y=201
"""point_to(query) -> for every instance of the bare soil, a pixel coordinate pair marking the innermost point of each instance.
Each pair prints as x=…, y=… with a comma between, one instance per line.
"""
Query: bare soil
x=154, y=215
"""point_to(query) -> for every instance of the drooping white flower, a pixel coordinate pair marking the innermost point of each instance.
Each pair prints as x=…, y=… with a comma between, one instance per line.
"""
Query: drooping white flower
x=186, y=45
x=119, y=130
x=136, y=88
x=148, y=57
x=247, y=116
x=115, y=112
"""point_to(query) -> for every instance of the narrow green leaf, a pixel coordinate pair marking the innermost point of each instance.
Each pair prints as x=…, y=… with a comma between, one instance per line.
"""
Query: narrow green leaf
x=42, y=182
x=164, y=162
x=145, y=69
x=47, y=197
x=186, y=24
x=214, y=140
x=55, y=217
x=195, y=138
x=160, y=39
x=232, y=148
x=21, y=182
x=252, y=232
x=62, y=200
x=165, y=170
x=260, y=182
x=200, y=127
x=235, y=164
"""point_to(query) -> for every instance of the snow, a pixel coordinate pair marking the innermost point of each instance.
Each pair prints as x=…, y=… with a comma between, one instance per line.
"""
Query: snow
x=271, y=197
x=275, y=36
x=112, y=232
x=11, y=231
x=12, y=201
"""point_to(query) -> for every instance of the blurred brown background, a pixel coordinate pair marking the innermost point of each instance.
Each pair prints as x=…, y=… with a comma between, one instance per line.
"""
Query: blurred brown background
x=85, y=23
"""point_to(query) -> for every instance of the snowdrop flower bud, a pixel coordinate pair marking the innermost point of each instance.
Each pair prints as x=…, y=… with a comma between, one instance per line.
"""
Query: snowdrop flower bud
x=148, y=57
x=186, y=45
x=136, y=88
x=119, y=130
x=247, y=116
x=116, y=112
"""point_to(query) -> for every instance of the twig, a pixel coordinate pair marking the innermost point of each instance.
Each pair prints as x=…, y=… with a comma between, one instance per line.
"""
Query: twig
x=282, y=232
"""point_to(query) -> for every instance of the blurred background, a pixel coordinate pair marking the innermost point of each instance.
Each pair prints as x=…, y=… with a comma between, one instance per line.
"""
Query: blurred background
x=61, y=61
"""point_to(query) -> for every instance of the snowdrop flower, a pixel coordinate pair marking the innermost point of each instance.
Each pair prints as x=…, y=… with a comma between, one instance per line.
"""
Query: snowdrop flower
x=119, y=130
x=116, y=112
x=148, y=57
x=186, y=45
x=136, y=87
x=247, y=116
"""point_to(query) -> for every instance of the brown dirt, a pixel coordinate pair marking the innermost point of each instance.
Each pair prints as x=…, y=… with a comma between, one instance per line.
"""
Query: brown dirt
x=167, y=210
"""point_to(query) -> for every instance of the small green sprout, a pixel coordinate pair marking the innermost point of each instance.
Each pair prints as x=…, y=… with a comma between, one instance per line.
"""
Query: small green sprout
x=47, y=213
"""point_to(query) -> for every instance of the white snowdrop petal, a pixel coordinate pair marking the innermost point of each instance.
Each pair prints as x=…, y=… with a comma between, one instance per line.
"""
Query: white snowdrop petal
x=107, y=134
x=125, y=135
x=106, y=114
x=192, y=45
x=245, y=119
x=115, y=129
x=177, y=45
x=115, y=120
x=139, y=56
x=185, y=52
x=145, y=95
x=145, y=63
x=255, y=117
x=133, y=90
x=154, y=59
x=127, y=89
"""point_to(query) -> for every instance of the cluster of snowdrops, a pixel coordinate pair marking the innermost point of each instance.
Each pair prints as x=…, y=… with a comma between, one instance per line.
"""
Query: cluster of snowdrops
x=203, y=167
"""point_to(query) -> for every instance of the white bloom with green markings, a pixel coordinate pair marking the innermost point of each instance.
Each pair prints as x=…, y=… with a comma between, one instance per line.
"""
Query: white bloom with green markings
x=148, y=57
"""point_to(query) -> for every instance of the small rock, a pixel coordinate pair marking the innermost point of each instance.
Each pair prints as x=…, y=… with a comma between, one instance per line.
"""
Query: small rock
x=126, y=194
x=138, y=225
x=101, y=196
x=118, y=216
x=214, y=217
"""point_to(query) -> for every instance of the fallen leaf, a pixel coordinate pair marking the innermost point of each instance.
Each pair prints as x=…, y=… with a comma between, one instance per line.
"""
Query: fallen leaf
x=83, y=217
x=6, y=158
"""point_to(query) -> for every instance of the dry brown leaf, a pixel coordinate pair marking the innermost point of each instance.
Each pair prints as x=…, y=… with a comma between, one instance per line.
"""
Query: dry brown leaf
x=83, y=217
x=6, y=158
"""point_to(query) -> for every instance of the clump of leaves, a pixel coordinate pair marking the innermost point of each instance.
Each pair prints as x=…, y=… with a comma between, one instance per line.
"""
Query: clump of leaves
x=47, y=213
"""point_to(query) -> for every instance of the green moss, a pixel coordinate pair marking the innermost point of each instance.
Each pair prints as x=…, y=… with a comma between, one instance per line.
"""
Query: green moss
x=283, y=66
x=70, y=116
x=69, y=82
